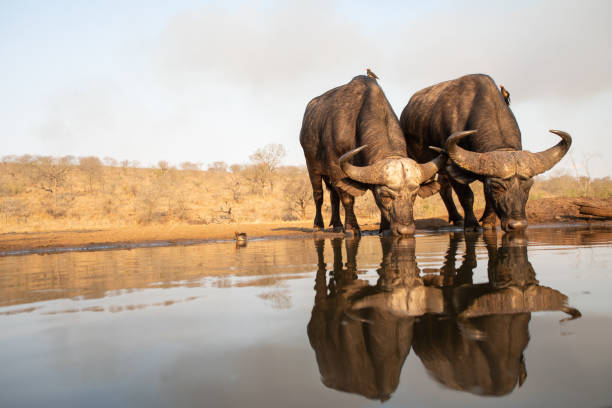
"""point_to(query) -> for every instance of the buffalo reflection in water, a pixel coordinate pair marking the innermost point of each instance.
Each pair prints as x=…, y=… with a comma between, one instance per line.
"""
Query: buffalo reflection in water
x=470, y=337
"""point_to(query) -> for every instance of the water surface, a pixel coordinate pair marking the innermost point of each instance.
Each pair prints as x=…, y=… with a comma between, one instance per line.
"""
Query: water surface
x=446, y=319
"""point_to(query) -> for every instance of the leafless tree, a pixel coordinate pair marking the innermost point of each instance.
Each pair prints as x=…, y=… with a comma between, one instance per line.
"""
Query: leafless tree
x=111, y=162
x=257, y=176
x=163, y=166
x=218, y=166
x=51, y=173
x=92, y=167
x=189, y=166
x=298, y=195
x=267, y=160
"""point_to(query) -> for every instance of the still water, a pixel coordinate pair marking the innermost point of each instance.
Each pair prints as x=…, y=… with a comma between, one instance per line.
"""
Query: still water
x=447, y=319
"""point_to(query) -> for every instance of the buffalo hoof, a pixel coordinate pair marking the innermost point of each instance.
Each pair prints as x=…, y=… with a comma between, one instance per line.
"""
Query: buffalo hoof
x=472, y=227
x=316, y=228
x=456, y=223
x=338, y=228
x=386, y=232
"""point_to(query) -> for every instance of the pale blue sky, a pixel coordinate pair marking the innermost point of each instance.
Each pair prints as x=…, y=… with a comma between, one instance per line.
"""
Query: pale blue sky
x=206, y=81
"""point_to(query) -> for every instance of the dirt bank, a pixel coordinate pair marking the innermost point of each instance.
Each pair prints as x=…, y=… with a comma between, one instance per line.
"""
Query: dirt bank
x=543, y=211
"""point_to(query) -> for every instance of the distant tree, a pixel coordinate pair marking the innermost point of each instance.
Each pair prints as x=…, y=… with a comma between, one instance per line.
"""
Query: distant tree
x=51, y=173
x=257, y=176
x=267, y=160
x=164, y=166
x=109, y=161
x=218, y=166
x=298, y=195
x=92, y=167
x=189, y=166
x=236, y=168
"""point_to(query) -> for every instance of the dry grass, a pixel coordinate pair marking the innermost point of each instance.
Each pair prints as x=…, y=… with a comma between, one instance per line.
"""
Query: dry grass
x=51, y=194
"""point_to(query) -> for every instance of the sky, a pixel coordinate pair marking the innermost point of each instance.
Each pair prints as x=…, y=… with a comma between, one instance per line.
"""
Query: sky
x=205, y=81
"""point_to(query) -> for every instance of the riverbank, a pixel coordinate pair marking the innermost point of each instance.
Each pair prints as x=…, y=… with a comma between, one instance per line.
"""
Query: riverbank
x=544, y=211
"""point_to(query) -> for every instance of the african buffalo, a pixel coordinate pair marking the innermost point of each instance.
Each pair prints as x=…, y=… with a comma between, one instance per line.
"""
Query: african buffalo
x=355, y=120
x=484, y=144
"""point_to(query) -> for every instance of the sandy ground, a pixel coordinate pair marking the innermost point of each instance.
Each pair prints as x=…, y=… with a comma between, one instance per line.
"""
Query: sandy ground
x=544, y=211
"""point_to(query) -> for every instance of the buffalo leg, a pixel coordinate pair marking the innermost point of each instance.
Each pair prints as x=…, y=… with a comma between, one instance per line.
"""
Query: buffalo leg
x=488, y=219
x=466, y=198
x=384, y=223
x=446, y=193
x=317, y=194
x=335, y=222
x=350, y=221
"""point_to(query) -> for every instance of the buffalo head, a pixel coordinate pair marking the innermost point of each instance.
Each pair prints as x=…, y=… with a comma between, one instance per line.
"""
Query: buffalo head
x=507, y=175
x=395, y=182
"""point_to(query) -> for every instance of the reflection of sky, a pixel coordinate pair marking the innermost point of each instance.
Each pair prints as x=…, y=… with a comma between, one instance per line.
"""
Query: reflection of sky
x=120, y=78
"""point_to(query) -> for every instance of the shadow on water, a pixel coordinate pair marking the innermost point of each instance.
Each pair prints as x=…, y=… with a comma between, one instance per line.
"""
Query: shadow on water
x=469, y=337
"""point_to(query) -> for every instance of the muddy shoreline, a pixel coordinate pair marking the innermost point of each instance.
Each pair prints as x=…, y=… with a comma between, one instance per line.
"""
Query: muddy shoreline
x=15, y=244
x=550, y=211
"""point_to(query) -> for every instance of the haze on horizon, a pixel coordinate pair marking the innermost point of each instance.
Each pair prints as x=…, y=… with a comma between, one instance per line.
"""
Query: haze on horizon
x=208, y=81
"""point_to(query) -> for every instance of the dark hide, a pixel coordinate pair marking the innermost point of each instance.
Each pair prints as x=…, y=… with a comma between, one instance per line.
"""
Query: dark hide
x=480, y=350
x=470, y=337
x=362, y=355
x=474, y=102
x=348, y=117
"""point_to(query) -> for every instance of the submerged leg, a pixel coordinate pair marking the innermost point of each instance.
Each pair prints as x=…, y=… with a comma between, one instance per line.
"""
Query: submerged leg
x=384, y=224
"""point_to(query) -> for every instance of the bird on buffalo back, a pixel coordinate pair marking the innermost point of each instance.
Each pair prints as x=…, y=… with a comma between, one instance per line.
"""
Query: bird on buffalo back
x=371, y=74
x=505, y=94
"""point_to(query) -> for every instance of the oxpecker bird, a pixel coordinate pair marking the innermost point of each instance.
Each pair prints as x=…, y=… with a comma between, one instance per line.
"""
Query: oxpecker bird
x=506, y=94
x=371, y=74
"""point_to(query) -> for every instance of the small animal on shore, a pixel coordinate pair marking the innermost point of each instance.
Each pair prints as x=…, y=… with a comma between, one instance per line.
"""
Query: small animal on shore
x=241, y=239
x=371, y=74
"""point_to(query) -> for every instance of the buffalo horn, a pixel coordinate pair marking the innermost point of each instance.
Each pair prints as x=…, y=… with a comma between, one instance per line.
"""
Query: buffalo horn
x=429, y=169
x=367, y=174
x=505, y=164
x=537, y=163
x=471, y=161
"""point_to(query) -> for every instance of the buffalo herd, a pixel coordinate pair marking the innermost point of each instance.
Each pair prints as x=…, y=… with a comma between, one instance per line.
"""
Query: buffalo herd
x=448, y=135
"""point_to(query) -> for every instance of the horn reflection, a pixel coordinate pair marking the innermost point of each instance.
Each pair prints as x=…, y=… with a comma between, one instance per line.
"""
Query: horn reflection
x=469, y=336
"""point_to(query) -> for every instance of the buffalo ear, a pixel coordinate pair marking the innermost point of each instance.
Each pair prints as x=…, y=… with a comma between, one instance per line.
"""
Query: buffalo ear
x=429, y=189
x=459, y=174
x=351, y=187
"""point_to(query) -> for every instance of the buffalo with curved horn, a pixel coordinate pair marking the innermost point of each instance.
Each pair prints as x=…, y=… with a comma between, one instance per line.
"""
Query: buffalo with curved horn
x=356, y=122
x=484, y=144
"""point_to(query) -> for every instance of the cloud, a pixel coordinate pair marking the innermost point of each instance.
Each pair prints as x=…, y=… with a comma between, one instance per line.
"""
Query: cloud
x=538, y=49
x=245, y=74
x=251, y=48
